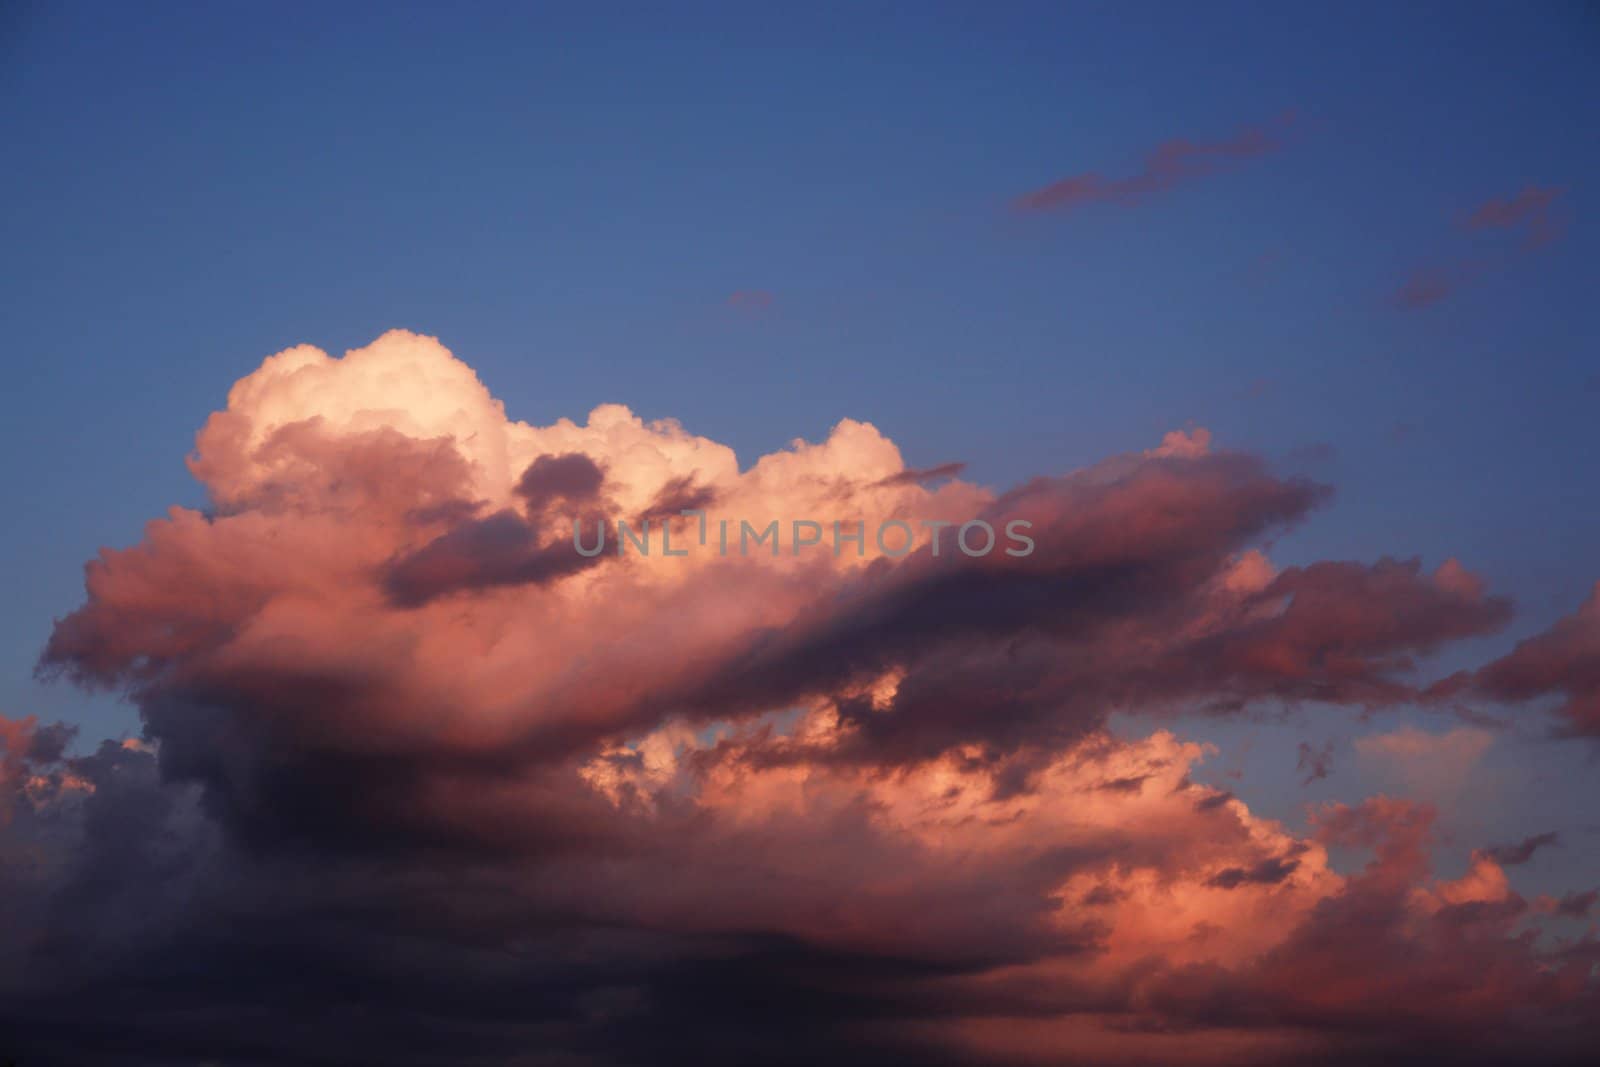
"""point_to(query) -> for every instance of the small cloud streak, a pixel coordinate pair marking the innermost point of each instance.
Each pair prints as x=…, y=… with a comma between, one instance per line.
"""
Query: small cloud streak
x=1167, y=165
x=1563, y=661
x=1427, y=287
x=754, y=299
x=1522, y=851
x=1528, y=212
x=918, y=475
x=1315, y=761
x=1435, y=765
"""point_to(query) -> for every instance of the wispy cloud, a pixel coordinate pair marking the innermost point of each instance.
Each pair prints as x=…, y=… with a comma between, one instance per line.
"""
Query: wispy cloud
x=1163, y=167
x=1316, y=761
x=1436, y=766
x=1532, y=216
x=1427, y=286
x=750, y=298
x=1522, y=851
x=1530, y=213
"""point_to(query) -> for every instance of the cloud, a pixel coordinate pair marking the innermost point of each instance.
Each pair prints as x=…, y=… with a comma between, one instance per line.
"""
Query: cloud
x=1522, y=851
x=925, y=474
x=1530, y=213
x=572, y=478
x=500, y=550
x=24, y=746
x=1434, y=765
x=410, y=759
x=1316, y=762
x=1428, y=286
x=1164, y=167
x=1570, y=905
x=1130, y=601
x=1267, y=872
x=1563, y=662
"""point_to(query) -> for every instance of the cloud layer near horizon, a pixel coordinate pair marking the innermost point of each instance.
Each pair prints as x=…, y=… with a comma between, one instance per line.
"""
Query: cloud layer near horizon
x=413, y=763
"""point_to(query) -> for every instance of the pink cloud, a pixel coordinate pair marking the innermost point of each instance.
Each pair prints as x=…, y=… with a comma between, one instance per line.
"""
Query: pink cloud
x=1426, y=288
x=1562, y=662
x=1435, y=766
x=1530, y=212
x=751, y=298
x=1164, y=167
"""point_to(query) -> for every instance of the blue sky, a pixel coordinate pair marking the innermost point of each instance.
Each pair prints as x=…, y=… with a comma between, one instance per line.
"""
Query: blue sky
x=569, y=200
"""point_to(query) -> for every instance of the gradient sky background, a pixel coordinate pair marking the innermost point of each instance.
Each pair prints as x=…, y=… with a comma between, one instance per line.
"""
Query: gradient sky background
x=571, y=202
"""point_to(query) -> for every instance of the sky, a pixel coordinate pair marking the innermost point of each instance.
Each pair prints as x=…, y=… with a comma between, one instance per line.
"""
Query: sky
x=1291, y=308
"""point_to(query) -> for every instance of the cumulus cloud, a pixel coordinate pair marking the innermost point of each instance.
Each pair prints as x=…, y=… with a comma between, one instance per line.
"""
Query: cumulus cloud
x=411, y=759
